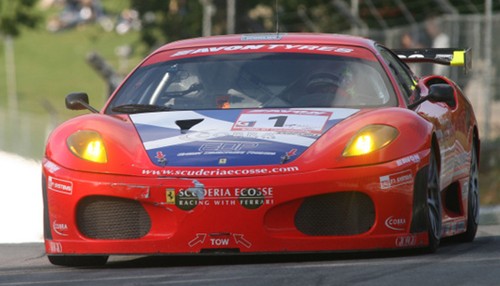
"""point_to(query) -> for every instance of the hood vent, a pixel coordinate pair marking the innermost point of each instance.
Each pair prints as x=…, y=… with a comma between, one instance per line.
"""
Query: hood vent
x=186, y=124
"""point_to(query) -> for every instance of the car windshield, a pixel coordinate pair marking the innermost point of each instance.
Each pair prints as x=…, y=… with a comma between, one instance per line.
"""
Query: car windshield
x=257, y=80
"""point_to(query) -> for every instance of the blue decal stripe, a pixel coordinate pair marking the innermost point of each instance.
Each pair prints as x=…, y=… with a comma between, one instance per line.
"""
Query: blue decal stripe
x=213, y=142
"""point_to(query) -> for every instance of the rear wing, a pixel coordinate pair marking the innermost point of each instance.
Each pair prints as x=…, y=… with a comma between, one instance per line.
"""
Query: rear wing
x=443, y=56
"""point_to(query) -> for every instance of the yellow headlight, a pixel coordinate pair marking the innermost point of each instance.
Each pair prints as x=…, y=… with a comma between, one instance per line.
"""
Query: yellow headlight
x=369, y=139
x=87, y=145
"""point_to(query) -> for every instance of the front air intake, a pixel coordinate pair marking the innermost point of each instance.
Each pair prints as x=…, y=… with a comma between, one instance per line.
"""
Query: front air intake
x=343, y=213
x=101, y=217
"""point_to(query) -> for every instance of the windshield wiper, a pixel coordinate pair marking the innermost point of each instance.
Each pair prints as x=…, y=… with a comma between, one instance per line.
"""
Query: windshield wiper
x=139, y=108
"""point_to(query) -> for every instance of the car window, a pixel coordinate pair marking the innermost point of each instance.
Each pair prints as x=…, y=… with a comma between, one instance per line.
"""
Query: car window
x=401, y=72
x=258, y=80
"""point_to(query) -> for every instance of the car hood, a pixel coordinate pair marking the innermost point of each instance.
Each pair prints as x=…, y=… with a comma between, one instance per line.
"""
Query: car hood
x=233, y=137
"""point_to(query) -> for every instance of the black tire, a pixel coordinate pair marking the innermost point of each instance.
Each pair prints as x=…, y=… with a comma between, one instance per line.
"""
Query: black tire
x=433, y=205
x=78, y=260
x=472, y=200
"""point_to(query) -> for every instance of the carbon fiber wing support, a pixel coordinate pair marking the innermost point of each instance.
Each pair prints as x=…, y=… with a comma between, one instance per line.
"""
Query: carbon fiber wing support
x=443, y=56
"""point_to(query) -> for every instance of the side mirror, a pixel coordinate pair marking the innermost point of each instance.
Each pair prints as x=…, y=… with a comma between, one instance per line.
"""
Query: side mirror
x=442, y=92
x=79, y=101
x=439, y=92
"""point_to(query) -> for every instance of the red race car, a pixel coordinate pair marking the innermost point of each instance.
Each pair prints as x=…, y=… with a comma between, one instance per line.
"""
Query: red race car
x=265, y=144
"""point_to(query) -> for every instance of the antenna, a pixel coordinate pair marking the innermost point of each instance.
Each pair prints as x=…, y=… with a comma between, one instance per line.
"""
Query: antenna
x=277, y=17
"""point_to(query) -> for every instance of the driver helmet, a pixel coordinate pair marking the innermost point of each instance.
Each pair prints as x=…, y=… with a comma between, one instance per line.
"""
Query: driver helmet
x=323, y=82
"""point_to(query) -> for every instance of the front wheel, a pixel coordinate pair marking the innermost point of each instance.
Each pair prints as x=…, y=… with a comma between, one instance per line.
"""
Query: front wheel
x=78, y=260
x=433, y=205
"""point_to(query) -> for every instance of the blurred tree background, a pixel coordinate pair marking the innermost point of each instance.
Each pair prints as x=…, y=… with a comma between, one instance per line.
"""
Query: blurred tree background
x=165, y=21
x=54, y=47
x=16, y=14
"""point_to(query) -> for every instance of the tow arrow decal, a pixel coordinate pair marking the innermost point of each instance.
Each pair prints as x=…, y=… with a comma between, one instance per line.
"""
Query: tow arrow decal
x=200, y=238
x=238, y=238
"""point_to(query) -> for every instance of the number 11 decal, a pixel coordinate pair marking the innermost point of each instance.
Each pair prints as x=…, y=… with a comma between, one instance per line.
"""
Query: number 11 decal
x=283, y=121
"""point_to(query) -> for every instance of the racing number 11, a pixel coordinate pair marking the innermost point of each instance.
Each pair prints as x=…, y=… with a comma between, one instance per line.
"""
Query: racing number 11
x=289, y=121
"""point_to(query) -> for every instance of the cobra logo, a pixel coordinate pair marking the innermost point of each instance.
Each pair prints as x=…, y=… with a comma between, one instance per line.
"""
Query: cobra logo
x=60, y=228
x=395, y=223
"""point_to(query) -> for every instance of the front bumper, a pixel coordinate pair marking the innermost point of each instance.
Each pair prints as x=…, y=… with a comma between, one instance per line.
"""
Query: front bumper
x=325, y=210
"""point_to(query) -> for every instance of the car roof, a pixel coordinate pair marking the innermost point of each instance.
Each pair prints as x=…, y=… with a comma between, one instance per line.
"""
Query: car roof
x=274, y=38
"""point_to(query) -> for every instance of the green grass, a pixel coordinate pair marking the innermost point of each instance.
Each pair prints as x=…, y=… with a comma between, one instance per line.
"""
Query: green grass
x=51, y=65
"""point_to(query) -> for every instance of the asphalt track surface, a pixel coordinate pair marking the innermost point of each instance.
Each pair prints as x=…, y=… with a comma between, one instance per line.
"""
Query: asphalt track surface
x=476, y=263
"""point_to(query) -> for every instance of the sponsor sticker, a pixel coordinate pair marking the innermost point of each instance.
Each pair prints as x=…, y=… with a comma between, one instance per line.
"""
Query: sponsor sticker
x=288, y=155
x=60, y=186
x=55, y=247
x=285, y=121
x=397, y=179
x=162, y=160
x=263, y=48
x=407, y=160
x=395, y=223
x=60, y=228
x=220, y=172
x=226, y=148
x=51, y=167
x=262, y=37
x=249, y=198
x=170, y=194
x=406, y=241
x=187, y=200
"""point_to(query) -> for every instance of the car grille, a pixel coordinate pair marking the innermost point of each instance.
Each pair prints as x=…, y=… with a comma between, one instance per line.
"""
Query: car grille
x=344, y=213
x=101, y=217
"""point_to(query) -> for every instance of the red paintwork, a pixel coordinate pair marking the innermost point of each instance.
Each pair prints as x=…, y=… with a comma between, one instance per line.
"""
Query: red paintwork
x=319, y=170
x=173, y=229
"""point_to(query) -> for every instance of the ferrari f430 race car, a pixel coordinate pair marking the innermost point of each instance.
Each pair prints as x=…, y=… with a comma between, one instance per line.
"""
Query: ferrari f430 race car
x=274, y=143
